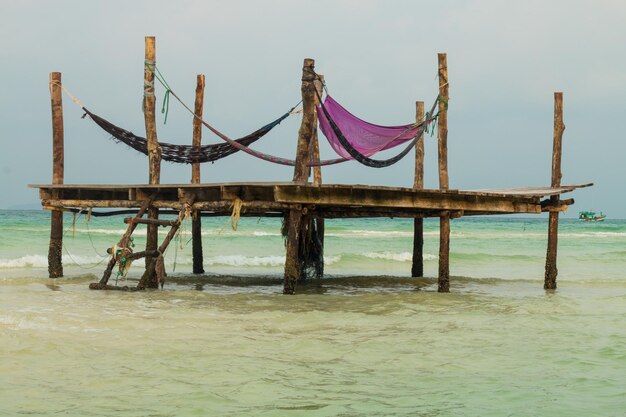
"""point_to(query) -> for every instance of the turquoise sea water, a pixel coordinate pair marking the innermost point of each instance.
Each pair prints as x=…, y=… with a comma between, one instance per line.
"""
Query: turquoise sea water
x=366, y=340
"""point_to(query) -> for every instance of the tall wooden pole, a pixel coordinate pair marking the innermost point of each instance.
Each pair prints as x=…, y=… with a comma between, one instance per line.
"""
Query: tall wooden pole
x=417, y=269
x=55, y=265
x=293, y=259
x=305, y=134
x=154, y=152
x=315, y=245
x=442, y=137
x=196, y=220
x=315, y=145
x=553, y=224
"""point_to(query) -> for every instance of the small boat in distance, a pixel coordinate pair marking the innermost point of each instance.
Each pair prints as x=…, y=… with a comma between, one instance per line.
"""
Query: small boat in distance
x=590, y=216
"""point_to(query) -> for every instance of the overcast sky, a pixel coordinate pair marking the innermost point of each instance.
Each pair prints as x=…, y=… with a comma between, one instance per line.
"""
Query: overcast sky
x=505, y=59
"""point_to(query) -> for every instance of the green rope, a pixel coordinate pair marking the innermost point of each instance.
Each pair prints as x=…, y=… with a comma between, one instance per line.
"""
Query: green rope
x=165, y=108
x=166, y=105
x=445, y=102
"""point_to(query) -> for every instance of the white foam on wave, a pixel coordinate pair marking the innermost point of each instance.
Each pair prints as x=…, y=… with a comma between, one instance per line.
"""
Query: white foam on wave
x=39, y=261
x=398, y=257
x=118, y=232
x=370, y=233
x=27, y=261
x=242, y=260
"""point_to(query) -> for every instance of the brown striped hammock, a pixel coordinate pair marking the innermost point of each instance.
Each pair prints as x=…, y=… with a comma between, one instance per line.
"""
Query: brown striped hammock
x=182, y=154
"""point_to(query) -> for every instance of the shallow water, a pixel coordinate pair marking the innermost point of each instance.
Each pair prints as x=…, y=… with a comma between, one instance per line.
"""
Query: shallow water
x=358, y=343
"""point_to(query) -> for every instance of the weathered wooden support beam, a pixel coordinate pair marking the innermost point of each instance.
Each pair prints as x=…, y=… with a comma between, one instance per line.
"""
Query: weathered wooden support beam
x=55, y=264
x=553, y=223
x=205, y=205
x=136, y=255
x=443, y=280
x=154, y=152
x=123, y=242
x=558, y=206
x=417, y=267
x=312, y=247
x=196, y=221
x=335, y=196
x=294, y=260
x=150, y=278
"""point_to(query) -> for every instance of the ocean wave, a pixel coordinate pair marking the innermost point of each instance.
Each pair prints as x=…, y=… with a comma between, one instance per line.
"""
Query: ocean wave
x=373, y=233
x=39, y=261
x=267, y=261
x=395, y=256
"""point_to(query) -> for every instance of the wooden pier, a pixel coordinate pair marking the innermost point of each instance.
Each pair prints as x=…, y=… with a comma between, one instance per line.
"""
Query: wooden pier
x=303, y=203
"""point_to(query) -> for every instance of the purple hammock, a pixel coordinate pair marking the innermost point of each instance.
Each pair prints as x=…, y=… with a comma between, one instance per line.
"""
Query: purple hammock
x=366, y=138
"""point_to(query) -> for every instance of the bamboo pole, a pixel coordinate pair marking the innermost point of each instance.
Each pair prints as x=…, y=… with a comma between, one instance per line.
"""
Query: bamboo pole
x=55, y=265
x=294, y=254
x=417, y=269
x=154, y=152
x=553, y=224
x=442, y=139
x=196, y=221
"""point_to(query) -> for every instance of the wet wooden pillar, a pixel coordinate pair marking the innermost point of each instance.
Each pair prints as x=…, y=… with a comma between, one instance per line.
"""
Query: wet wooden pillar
x=442, y=139
x=55, y=265
x=417, y=268
x=293, y=260
x=312, y=247
x=553, y=224
x=154, y=152
x=196, y=220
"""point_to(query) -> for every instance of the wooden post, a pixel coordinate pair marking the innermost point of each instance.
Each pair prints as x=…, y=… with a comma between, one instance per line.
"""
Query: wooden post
x=442, y=138
x=196, y=220
x=553, y=225
x=154, y=152
x=315, y=145
x=305, y=134
x=293, y=260
x=417, y=269
x=55, y=265
x=312, y=247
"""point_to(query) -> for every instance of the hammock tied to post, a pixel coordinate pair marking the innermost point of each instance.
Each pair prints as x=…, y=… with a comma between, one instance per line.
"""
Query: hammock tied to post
x=185, y=154
x=349, y=136
x=354, y=138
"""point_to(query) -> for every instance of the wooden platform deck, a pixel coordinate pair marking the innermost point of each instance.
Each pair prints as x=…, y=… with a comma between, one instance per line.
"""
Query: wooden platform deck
x=327, y=201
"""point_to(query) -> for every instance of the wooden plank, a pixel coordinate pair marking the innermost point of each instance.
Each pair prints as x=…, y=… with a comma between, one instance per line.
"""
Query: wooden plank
x=360, y=197
x=502, y=192
x=203, y=205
